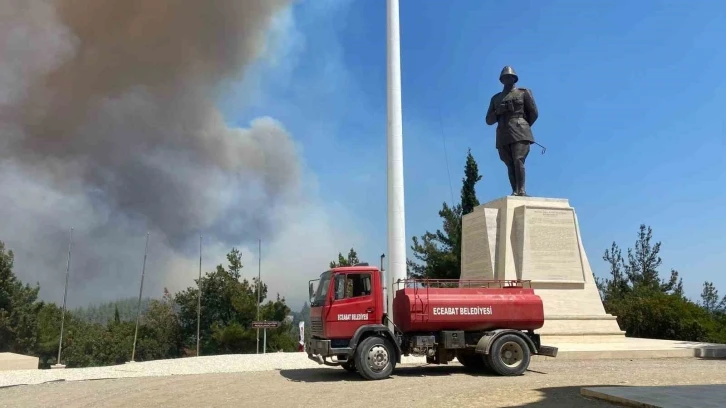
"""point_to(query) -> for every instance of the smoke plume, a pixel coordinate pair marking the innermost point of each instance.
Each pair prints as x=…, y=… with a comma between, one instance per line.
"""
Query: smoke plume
x=108, y=123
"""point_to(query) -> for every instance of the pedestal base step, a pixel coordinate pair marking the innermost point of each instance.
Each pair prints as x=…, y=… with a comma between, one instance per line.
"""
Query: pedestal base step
x=616, y=347
x=597, y=325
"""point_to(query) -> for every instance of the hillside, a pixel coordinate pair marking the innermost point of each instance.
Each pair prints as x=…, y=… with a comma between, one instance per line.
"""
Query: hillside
x=104, y=312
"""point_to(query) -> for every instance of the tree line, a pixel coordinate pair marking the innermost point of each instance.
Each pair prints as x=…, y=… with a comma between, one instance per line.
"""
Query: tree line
x=103, y=334
x=103, y=313
x=167, y=328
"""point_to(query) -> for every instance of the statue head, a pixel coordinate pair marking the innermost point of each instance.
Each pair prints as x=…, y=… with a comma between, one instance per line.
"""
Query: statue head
x=508, y=76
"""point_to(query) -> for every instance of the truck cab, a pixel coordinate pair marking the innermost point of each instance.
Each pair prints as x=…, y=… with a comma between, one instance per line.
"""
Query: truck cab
x=483, y=324
x=345, y=299
x=347, y=307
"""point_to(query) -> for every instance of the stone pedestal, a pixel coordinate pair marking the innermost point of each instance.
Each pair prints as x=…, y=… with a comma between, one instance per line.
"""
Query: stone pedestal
x=538, y=239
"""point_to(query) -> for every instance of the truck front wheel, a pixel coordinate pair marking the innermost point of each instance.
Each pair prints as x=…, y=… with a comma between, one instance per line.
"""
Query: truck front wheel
x=509, y=355
x=375, y=358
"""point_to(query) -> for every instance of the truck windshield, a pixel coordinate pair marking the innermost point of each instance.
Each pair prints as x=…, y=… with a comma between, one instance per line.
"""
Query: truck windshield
x=322, y=291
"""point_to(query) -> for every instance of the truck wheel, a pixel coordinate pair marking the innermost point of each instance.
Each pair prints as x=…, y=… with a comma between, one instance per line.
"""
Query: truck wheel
x=509, y=355
x=349, y=366
x=375, y=358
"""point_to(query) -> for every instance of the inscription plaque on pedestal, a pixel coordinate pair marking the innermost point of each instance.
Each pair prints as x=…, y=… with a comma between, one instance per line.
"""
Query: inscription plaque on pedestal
x=516, y=238
x=477, y=261
x=551, y=249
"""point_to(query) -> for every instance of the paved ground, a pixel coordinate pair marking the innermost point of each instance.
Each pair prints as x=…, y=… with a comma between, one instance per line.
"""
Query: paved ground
x=548, y=384
x=679, y=396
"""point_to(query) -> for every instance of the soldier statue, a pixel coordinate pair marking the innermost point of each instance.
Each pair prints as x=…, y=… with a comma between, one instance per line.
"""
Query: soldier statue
x=514, y=111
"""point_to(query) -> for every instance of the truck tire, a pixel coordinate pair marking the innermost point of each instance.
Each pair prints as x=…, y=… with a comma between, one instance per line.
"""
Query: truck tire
x=375, y=358
x=349, y=366
x=509, y=355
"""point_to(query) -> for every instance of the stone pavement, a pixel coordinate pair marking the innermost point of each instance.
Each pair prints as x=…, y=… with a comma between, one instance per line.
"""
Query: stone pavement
x=683, y=396
x=549, y=384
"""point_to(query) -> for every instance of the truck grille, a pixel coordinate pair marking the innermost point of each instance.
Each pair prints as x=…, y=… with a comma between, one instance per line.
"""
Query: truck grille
x=316, y=326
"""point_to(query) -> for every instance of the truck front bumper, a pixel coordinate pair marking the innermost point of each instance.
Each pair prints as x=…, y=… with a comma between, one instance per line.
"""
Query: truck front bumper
x=319, y=350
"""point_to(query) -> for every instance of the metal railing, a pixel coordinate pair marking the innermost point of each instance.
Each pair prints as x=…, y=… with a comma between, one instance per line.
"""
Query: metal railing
x=420, y=283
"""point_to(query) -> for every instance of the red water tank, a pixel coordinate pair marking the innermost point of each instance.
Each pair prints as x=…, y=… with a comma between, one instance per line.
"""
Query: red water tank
x=468, y=309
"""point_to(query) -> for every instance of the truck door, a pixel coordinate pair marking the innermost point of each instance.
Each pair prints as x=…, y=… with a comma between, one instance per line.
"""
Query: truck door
x=354, y=304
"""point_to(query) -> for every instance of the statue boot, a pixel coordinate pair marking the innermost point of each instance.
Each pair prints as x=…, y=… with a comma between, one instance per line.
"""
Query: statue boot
x=520, y=191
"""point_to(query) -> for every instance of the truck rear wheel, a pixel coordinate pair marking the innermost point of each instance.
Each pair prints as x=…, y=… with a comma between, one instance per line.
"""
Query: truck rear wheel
x=375, y=358
x=509, y=355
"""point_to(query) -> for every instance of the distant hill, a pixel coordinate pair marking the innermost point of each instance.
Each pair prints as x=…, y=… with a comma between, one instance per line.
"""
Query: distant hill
x=104, y=312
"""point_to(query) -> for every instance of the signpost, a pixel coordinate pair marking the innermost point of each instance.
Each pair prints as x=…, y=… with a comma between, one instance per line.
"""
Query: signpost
x=265, y=325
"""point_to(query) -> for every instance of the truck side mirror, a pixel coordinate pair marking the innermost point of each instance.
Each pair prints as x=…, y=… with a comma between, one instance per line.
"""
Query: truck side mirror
x=310, y=290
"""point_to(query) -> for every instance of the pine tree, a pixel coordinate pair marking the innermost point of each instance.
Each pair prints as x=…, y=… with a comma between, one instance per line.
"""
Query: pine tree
x=351, y=260
x=640, y=272
x=468, y=190
x=710, y=300
x=18, y=308
x=440, y=252
x=235, y=263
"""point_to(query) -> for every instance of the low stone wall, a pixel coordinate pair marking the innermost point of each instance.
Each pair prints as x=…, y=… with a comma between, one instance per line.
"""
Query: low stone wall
x=12, y=361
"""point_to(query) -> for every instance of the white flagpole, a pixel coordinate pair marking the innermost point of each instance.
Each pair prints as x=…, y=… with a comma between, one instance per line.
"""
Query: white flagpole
x=396, y=209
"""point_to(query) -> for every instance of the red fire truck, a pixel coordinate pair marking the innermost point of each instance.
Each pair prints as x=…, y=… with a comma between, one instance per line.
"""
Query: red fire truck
x=483, y=324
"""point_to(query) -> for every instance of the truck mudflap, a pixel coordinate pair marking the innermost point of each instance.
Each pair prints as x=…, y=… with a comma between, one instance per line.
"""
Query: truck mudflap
x=319, y=350
x=531, y=339
x=547, y=351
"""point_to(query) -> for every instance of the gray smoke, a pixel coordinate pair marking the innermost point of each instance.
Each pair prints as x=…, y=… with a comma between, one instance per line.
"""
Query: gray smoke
x=107, y=106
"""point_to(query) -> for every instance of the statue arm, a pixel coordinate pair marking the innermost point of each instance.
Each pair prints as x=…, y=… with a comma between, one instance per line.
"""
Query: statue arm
x=491, y=114
x=530, y=107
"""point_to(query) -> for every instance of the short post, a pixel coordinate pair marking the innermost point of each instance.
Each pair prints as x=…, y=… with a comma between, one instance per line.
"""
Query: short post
x=264, y=340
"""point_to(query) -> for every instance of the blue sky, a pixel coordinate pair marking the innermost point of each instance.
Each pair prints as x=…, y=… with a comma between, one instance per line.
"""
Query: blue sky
x=631, y=111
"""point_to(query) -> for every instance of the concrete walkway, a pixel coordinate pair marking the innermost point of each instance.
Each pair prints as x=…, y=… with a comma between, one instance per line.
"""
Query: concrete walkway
x=683, y=396
x=596, y=347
